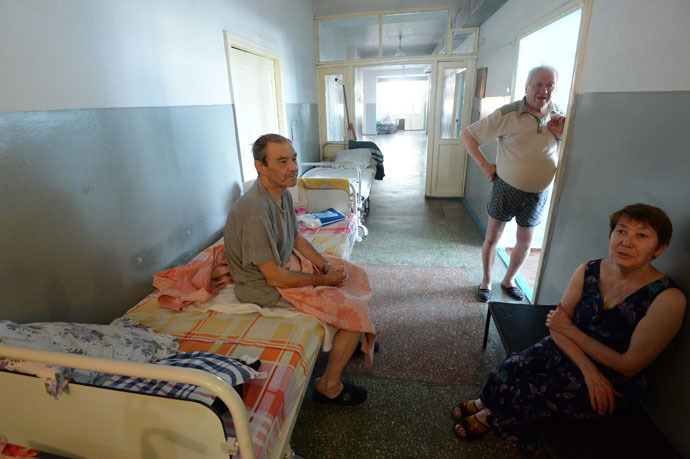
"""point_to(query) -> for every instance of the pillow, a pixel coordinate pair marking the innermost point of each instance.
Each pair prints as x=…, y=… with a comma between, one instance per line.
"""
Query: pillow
x=232, y=371
x=323, y=218
x=359, y=156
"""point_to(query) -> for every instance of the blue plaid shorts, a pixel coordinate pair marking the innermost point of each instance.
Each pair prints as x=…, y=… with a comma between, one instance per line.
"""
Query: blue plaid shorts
x=506, y=202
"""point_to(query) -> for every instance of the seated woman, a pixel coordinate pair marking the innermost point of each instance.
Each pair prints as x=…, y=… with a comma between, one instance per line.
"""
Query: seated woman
x=615, y=317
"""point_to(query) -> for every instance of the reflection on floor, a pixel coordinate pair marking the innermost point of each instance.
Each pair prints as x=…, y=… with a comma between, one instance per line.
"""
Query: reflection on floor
x=423, y=258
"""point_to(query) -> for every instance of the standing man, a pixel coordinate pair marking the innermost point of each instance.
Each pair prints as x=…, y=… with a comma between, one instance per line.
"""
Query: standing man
x=260, y=235
x=528, y=133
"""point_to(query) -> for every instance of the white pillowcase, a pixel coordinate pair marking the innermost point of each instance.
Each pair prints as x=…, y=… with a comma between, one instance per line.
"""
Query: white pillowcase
x=359, y=156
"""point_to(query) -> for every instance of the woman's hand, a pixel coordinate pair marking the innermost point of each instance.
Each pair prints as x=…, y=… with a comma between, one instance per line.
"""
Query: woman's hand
x=602, y=395
x=559, y=321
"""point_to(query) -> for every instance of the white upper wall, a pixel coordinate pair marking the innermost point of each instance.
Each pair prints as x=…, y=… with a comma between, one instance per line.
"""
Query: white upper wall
x=637, y=45
x=498, y=47
x=69, y=54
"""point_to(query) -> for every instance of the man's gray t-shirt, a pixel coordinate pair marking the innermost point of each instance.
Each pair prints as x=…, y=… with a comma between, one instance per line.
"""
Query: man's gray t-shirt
x=258, y=230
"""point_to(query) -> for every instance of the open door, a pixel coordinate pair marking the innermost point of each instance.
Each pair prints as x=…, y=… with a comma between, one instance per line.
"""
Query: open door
x=446, y=157
x=257, y=105
x=334, y=130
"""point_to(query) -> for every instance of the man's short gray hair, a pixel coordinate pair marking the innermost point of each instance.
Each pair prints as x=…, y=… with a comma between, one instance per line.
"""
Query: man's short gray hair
x=530, y=75
x=261, y=144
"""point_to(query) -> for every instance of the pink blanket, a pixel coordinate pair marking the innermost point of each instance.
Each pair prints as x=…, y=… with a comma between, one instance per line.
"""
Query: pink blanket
x=346, y=306
x=199, y=280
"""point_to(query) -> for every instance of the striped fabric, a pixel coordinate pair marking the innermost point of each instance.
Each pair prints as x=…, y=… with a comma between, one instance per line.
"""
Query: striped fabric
x=286, y=347
x=232, y=371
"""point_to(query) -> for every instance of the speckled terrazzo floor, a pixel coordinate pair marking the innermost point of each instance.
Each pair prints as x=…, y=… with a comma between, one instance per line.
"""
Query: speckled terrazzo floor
x=422, y=257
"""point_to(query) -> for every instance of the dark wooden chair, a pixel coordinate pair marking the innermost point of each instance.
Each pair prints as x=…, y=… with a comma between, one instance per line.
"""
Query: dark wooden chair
x=626, y=434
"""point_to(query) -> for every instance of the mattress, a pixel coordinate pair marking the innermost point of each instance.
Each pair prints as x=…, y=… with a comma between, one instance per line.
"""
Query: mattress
x=349, y=173
x=335, y=239
x=286, y=346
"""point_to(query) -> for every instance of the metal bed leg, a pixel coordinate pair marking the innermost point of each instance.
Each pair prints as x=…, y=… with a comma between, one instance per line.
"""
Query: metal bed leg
x=486, y=327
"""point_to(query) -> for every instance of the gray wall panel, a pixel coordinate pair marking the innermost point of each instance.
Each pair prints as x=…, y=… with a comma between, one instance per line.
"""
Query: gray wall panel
x=303, y=130
x=626, y=148
x=96, y=201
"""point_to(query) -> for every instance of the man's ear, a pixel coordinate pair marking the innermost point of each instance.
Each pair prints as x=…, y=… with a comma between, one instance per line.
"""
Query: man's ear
x=258, y=165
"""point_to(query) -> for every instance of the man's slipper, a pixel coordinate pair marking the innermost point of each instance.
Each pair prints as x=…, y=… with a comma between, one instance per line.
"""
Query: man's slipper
x=484, y=294
x=358, y=349
x=350, y=395
x=515, y=292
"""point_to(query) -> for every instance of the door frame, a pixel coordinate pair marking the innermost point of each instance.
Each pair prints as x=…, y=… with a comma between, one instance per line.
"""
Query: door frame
x=346, y=71
x=586, y=7
x=230, y=41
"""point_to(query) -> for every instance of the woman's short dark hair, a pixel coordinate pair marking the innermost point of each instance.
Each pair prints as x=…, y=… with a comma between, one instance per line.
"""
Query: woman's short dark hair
x=259, y=146
x=652, y=216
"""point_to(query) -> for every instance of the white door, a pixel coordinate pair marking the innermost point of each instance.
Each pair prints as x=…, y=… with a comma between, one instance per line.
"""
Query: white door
x=256, y=102
x=446, y=156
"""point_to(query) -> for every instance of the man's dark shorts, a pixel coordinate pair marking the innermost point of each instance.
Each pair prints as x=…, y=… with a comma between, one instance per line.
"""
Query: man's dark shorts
x=506, y=202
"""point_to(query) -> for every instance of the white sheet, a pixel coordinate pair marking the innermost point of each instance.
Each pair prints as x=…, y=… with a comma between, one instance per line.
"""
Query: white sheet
x=349, y=173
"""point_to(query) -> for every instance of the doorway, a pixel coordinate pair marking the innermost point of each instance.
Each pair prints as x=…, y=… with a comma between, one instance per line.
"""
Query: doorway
x=392, y=110
x=256, y=97
x=551, y=43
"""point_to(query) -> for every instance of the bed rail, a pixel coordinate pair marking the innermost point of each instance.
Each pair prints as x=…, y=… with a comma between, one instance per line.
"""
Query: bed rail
x=148, y=370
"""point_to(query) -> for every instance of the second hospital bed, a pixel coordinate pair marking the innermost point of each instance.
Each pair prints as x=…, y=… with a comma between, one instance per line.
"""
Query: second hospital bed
x=344, y=180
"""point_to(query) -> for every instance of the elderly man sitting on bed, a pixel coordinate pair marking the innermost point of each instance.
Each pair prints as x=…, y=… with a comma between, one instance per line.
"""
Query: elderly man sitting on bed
x=260, y=236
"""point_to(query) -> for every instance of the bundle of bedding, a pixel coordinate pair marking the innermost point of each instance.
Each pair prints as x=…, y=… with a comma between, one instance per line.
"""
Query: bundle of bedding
x=123, y=339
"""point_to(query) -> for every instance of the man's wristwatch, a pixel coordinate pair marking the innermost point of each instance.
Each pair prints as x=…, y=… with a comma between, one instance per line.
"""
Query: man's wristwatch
x=323, y=268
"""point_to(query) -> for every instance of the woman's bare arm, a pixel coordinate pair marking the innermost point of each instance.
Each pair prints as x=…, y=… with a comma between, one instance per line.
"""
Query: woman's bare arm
x=651, y=335
x=601, y=392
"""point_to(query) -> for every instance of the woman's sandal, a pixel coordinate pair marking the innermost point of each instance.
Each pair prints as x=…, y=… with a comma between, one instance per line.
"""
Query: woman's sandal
x=467, y=408
x=472, y=426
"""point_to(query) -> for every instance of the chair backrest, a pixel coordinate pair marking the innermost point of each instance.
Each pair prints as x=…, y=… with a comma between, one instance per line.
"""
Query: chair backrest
x=520, y=325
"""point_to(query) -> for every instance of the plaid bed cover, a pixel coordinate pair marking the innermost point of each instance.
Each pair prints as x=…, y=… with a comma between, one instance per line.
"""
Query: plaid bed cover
x=334, y=239
x=232, y=371
x=285, y=347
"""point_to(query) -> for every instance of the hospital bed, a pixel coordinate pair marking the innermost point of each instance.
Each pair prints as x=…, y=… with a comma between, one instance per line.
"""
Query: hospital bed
x=94, y=421
x=344, y=178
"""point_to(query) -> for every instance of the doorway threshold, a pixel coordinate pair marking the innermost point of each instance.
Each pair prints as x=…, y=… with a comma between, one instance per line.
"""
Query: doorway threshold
x=519, y=280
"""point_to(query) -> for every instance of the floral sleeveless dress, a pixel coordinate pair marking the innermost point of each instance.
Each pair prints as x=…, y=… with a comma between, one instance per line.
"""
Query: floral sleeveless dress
x=541, y=382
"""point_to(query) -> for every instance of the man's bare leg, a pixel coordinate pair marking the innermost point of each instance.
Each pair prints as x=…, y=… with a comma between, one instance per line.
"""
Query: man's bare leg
x=344, y=344
x=519, y=254
x=494, y=230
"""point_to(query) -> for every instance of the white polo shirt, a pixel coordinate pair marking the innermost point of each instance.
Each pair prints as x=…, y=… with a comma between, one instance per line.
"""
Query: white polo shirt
x=527, y=151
